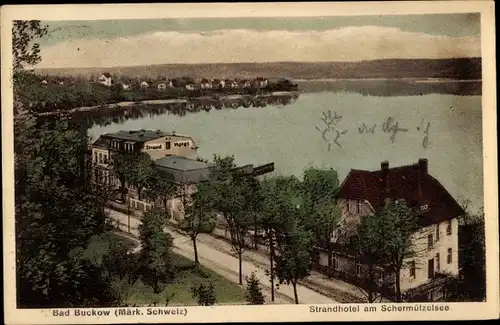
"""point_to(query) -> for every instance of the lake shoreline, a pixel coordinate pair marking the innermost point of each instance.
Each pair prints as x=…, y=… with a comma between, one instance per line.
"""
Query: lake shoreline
x=125, y=104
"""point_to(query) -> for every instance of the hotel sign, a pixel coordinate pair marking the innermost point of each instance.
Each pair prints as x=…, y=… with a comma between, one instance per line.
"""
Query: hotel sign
x=182, y=144
x=154, y=146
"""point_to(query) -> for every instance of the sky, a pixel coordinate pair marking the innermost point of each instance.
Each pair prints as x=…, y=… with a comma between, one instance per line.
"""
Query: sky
x=112, y=43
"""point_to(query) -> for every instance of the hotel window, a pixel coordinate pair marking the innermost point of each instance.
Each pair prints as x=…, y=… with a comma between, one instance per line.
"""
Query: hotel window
x=448, y=227
x=437, y=262
x=167, y=145
x=430, y=241
x=412, y=269
x=449, y=258
x=437, y=232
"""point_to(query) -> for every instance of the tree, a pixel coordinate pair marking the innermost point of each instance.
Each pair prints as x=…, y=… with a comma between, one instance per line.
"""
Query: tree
x=119, y=261
x=232, y=198
x=200, y=216
x=156, y=267
x=122, y=165
x=369, y=248
x=318, y=206
x=253, y=292
x=141, y=171
x=205, y=294
x=280, y=197
x=397, y=225
x=152, y=222
x=472, y=259
x=161, y=186
x=56, y=212
x=24, y=50
x=294, y=260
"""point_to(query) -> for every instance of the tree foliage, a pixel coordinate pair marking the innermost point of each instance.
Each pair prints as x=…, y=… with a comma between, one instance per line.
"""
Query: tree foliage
x=233, y=198
x=294, y=260
x=25, y=51
x=204, y=294
x=253, y=294
x=200, y=216
x=160, y=186
x=393, y=230
x=156, y=267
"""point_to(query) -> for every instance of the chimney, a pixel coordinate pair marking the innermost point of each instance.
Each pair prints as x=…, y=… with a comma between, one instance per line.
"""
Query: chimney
x=384, y=166
x=422, y=171
x=422, y=166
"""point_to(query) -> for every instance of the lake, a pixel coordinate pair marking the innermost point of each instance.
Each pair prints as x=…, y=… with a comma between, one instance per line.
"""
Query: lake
x=293, y=137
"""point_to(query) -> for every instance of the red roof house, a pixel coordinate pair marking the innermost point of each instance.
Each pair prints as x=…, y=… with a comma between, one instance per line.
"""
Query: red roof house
x=412, y=183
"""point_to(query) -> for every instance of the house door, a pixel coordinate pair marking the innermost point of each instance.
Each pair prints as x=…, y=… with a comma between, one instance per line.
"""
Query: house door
x=430, y=270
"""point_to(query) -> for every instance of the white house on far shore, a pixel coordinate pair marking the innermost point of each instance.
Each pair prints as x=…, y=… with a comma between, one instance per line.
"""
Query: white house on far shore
x=105, y=79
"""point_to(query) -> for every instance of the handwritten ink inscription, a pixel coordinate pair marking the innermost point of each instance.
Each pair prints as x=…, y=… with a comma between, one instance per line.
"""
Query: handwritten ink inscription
x=331, y=134
x=389, y=125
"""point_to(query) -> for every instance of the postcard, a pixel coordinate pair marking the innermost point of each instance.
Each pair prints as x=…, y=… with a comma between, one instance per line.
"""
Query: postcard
x=263, y=162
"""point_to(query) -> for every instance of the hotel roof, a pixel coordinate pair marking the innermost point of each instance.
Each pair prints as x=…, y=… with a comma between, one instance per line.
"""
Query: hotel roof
x=140, y=135
x=184, y=170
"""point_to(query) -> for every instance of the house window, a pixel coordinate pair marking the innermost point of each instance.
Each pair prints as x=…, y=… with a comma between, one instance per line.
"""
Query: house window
x=100, y=157
x=437, y=232
x=352, y=206
x=359, y=268
x=95, y=156
x=360, y=207
x=167, y=145
x=430, y=241
x=437, y=262
x=449, y=258
x=335, y=262
x=412, y=269
x=105, y=158
x=448, y=227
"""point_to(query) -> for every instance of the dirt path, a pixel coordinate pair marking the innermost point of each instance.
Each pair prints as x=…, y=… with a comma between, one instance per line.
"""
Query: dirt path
x=220, y=261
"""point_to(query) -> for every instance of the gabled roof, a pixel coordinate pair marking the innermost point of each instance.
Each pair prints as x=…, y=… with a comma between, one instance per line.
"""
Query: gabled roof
x=106, y=74
x=403, y=183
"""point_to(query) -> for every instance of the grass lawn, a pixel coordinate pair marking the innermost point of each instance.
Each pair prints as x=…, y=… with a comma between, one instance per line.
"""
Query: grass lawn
x=187, y=276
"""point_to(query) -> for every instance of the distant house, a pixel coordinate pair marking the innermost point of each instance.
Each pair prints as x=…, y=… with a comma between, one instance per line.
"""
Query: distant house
x=233, y=84
x=105, y=79
x=261, y=82
x=205, y=84
x=144, y=84
x=126, y=86
x=170, y=84
x=189, y=86
x=222, y=84
x=44, y=82
x=245, y=83
x=162, y=86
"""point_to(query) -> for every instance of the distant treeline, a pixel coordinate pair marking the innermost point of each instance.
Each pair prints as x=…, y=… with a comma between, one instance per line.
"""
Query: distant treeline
x=392, y=88
x=460, y=68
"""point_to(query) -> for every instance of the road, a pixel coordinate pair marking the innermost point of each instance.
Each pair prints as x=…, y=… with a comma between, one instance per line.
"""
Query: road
x=224, y=263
